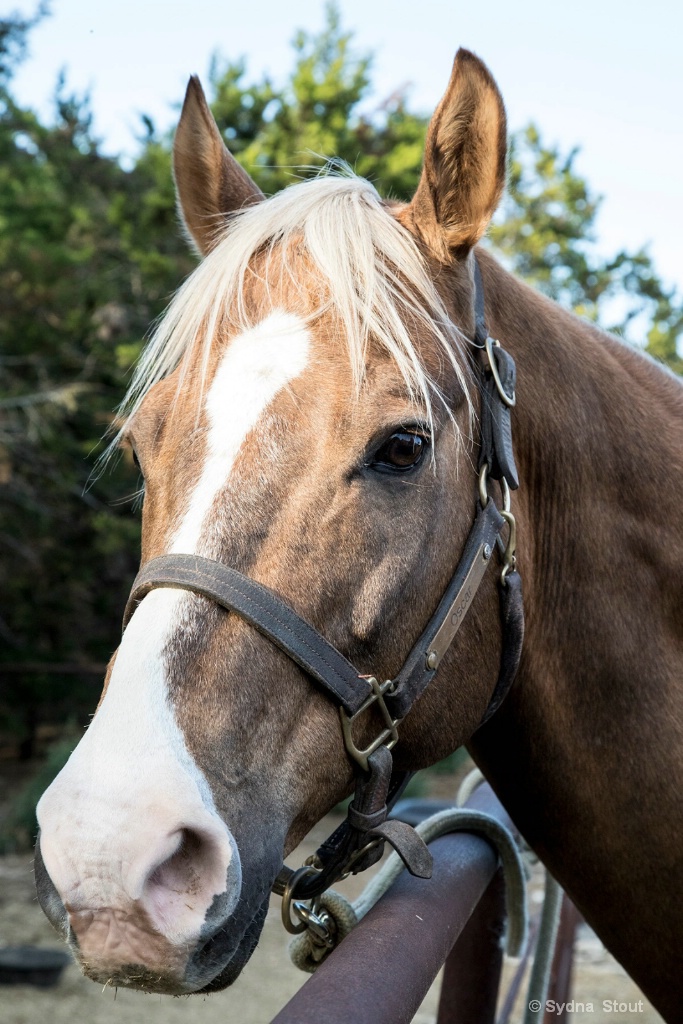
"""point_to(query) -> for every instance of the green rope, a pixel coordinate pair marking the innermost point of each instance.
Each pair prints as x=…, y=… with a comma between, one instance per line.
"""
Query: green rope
x=307, y=951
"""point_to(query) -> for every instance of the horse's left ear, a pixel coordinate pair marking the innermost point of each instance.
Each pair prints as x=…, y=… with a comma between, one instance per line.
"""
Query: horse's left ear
x=209, y=181
x=464, y=163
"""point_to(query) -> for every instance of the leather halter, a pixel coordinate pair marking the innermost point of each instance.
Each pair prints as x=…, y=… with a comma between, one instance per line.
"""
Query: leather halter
x=359, y=840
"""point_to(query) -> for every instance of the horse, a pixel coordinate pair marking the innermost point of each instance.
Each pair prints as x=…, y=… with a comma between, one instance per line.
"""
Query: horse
x=307, y=414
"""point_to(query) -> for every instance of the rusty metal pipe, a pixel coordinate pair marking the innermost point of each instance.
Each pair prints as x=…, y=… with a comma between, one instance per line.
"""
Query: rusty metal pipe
x=471, y=977
x=382, y=971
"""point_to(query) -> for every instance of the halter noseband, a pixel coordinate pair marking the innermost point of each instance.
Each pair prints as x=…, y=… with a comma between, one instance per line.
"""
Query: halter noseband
x=359, y=840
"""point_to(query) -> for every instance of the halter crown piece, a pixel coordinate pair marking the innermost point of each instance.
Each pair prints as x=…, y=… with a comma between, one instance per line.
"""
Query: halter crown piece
x=359, y=841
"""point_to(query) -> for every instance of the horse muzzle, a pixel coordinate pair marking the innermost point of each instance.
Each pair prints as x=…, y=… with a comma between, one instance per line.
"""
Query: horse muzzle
x=169, y=931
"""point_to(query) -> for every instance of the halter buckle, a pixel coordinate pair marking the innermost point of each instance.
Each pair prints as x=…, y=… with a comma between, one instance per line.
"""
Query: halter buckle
x=388, y=736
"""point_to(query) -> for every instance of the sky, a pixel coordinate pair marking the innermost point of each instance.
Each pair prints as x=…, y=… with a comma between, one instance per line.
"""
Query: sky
x=604, y=75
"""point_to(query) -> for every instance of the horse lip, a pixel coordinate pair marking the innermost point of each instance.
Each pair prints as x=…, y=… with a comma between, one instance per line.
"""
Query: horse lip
x=49, y=899
x=238, y=954
x=208, y=967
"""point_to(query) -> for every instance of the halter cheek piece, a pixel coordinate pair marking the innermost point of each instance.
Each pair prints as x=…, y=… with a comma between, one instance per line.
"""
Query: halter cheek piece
x=359, y=841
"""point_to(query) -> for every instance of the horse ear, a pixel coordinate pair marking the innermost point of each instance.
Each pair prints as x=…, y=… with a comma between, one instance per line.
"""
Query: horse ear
x=464, y=163
x=209, y=181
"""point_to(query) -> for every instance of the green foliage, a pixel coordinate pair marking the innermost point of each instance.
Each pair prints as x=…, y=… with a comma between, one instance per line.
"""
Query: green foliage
x=19, y=828
x=282, y=134
x=545, y=232
x=14, y=30
x=453, y=763
x=90, y=252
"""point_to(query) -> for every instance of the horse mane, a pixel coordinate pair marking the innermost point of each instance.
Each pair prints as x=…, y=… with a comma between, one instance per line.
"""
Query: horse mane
x=369, y=272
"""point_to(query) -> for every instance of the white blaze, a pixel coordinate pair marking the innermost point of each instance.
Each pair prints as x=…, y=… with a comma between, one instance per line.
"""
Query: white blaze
x=132, y=776
x=257, y=365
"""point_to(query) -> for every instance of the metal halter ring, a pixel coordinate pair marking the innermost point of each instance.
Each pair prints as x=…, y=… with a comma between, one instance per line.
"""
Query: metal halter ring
x=483, y=485
x=318, y=922
x=357, y=855
x=289, y=904
x=508, y=400
x=509, y=556
x=484, y=488
x=507, y=550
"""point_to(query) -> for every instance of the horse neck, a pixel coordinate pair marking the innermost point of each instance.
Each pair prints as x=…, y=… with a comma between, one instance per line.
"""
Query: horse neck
x=587, y=752
x=598, y=434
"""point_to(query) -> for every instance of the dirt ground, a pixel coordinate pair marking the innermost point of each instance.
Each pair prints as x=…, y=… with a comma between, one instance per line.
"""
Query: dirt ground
x=267, y=982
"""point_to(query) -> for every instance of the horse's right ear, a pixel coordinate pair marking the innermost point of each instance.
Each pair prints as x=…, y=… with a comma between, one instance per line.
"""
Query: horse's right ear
x=209, y=181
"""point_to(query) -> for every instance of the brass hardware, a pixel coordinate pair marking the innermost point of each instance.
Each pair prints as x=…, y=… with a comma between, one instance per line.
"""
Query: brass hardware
x=484, y=489
x=432, y=659
x=318, y=922
x=507, y=551
x=483, y=485
x=505, y=488
x=358, y=855
x=389, y=735
x=509, y=556
x=491, y=343
x=288, y=904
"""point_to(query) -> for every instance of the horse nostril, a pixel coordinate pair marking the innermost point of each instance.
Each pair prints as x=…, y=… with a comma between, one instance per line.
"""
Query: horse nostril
x=191, y=869
x=182, y=871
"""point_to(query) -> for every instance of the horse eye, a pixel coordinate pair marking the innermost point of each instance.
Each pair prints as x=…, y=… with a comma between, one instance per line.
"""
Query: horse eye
x=401, y=452
x=136, y=460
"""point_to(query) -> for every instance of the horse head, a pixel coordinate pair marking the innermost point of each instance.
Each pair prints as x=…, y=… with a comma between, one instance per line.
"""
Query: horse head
x=303, y=414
